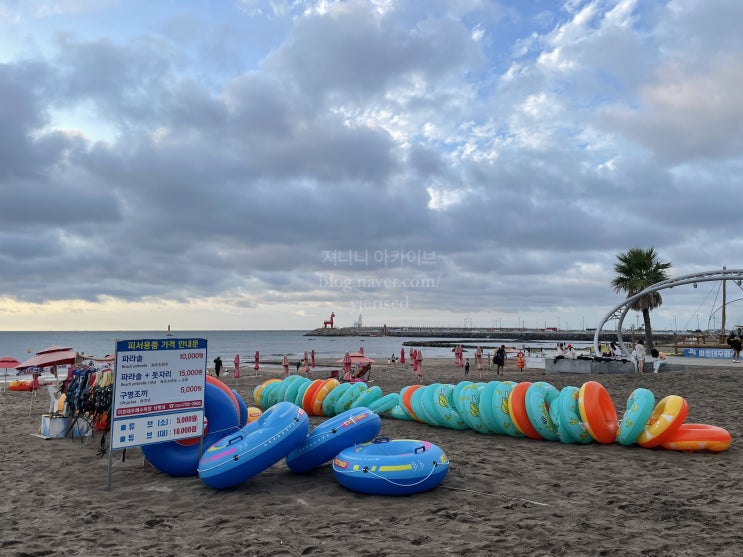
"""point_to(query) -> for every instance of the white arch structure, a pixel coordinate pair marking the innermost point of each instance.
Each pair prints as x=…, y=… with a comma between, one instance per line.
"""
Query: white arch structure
x=722, y=274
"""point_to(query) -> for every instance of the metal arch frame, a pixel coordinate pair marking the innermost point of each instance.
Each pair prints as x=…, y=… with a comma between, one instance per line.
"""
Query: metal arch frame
x=707, y=276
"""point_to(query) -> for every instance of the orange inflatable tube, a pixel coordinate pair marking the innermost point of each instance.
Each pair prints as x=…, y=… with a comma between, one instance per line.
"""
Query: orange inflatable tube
x=517, y=410
x=698, y=437
x=665, y=420
x=309, y=395
x=598, y=413
x=324, y=390
x=405, y=395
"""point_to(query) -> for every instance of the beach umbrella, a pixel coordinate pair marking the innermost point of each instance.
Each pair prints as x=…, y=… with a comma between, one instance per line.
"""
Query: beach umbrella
x=257, y=360
x=478, y=358
x=52, y=356
x=237, y=366
x=346, y=366
x=361, y=350
x=312, y=355
x=402, y=355
x=356, y=358
x=418, y=367
x=412, y=356
x=285, y=364
x=6, y=363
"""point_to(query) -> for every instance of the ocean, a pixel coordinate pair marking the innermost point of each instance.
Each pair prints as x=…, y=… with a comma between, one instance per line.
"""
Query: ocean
x=226, y=344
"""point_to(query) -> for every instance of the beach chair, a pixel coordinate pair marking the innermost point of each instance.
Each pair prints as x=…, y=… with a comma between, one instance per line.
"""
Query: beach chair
x=361, y=374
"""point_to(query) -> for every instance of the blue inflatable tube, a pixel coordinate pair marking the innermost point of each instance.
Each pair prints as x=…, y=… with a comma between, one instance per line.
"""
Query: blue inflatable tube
x=468, y=406
x=565, y=413
x=385, y=404
x=444, y=406
x=257, y=446
x=367, y=397
x=391, y=467
x=500, y=406
x=354, y=426
x=177, y=459
x=242, y=407
x=328, y=405
x=416, y=404
x=640, y=406
x=539, y=398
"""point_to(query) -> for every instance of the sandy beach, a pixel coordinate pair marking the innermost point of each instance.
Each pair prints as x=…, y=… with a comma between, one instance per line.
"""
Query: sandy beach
x=502, y=496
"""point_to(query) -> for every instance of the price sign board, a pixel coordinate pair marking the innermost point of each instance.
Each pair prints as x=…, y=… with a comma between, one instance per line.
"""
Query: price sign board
x=158, y=391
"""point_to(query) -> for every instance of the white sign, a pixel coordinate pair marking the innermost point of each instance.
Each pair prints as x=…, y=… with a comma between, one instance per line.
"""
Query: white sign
x=131, y=432
x=158, y=391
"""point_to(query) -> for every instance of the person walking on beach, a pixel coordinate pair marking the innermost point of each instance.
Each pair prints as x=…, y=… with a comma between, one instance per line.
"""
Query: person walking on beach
x=467, y=367
x=500, y=359
x=217, y=365
x=640, y=355
x=735, y=343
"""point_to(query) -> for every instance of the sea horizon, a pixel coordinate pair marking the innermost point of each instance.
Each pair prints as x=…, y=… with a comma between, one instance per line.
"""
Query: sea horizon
x=226, y=343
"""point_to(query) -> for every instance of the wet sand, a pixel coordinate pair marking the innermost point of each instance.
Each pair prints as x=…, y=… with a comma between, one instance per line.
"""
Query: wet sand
x=502, y=496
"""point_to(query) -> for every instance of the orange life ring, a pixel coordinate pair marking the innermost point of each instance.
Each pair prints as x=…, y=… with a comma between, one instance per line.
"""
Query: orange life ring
x=520, y=360
x=308, y=399
x=405, y=395
x=698, y=437
x=517, y=411
x=327, y=386
x=597, y=412
x=665, y=420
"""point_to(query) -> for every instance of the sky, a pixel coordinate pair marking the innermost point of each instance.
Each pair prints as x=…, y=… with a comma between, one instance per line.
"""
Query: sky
x=247, y=164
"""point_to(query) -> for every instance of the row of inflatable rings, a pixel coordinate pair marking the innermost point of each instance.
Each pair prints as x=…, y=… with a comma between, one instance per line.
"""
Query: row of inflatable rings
x=321, y=397
x=571, y=415
x=535, y=410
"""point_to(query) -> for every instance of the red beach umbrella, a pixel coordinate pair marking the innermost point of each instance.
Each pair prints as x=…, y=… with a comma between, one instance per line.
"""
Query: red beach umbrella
x=402, y=355
x=478, y=358
x=312, y=355
x=52, y=356
x=6, y=363
x=412, y=357
x=285, y=364
x=237, y=366
x=361, y=350
x=257, y=360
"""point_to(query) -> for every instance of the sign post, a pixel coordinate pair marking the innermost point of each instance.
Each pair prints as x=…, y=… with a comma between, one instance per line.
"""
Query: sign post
x=158, y=392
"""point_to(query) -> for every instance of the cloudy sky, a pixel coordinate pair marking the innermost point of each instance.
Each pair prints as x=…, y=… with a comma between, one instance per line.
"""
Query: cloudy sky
x=247, y=164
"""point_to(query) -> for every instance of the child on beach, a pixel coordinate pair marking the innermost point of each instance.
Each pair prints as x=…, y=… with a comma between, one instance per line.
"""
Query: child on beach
x=640, y=355
x=467, y=367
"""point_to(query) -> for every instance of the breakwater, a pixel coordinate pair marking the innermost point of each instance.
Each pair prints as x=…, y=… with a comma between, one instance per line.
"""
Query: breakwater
x=515, y=335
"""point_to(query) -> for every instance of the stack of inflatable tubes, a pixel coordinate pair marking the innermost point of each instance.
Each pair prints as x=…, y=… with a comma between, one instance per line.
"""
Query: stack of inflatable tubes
x=282, y=432
x=537, y=410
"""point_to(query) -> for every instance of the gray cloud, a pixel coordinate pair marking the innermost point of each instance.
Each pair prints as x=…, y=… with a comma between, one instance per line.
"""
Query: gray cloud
x=599, y=134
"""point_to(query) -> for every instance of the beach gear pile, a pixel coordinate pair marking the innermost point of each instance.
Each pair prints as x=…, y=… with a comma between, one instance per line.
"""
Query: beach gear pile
x=244, y=441
x=577, y=415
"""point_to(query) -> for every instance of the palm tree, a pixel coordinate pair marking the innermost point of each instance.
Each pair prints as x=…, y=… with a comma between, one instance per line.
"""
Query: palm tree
x=636, y=270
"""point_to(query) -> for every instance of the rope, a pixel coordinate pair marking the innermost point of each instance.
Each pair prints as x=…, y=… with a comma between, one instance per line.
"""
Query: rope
x=495, y=495
x=366, y=470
